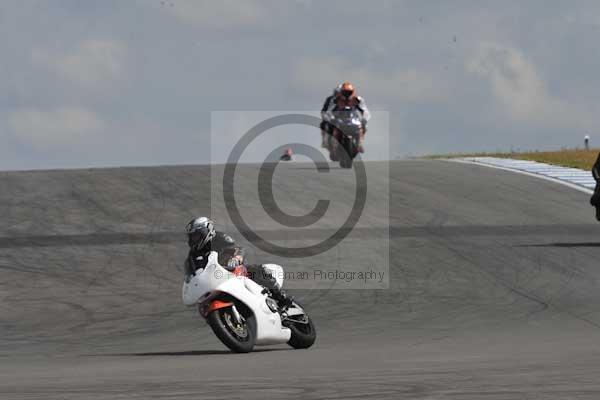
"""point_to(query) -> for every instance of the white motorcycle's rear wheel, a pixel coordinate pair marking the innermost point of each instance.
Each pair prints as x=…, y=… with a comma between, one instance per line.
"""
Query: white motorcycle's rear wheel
x=239, y=338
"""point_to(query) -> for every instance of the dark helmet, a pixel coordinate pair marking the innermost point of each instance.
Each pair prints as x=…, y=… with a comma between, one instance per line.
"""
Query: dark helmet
x=200, y=231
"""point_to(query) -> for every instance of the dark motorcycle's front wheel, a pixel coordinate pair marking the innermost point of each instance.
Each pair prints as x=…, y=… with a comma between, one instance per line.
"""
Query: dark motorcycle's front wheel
x=343, y=155
x=346, y=152
x=240, y=336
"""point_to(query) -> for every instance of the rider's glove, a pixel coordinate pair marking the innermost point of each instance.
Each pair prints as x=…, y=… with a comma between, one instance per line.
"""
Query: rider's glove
x=234, y=262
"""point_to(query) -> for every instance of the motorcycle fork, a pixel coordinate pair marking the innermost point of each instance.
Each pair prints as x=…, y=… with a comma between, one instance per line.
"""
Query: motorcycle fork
x=236, y=314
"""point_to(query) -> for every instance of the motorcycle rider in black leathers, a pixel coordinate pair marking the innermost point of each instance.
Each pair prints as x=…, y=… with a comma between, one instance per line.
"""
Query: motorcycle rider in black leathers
x=344, y=96
x=595, y=199
x=203, y=238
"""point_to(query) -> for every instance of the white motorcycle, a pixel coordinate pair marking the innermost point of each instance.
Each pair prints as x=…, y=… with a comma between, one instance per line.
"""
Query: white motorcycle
x=240, y=311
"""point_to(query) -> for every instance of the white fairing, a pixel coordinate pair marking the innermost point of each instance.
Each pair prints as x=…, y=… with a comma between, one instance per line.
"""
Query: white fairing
x=216, y=279
x=276, y=271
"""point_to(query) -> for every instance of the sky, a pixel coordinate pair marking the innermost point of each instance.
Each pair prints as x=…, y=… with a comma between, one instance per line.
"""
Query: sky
x=118, y=83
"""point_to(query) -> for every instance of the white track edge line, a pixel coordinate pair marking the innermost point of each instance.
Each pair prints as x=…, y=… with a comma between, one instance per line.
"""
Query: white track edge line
x=518, y=171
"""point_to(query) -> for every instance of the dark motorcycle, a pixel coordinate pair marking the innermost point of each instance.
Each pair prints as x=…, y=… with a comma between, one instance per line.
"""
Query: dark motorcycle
x=345, y=140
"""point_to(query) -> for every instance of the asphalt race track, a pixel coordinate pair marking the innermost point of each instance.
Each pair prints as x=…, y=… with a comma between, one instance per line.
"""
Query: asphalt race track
x=494, y=289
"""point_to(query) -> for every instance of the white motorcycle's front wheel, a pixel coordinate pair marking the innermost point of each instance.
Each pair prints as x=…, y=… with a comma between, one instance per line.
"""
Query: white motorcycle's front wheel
x=303, y=330
x=237, y=332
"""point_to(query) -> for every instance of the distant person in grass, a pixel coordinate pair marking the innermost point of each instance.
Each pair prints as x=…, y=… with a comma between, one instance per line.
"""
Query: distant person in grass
x=586, y=141
x=595, y=200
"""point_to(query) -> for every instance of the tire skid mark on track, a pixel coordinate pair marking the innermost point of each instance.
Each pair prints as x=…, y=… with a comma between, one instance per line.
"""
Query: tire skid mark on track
x=166, y=237
x=544, y=303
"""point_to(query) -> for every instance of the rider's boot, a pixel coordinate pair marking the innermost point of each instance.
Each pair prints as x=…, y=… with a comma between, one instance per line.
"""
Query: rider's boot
x=283, y=300
x=361, y=142
x=333, y=156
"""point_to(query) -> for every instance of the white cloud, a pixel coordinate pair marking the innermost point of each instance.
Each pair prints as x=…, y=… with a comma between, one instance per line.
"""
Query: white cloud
x=218, y=14
x=405, y=85
x=58, y=127
x=94, y=63
x=518, y=88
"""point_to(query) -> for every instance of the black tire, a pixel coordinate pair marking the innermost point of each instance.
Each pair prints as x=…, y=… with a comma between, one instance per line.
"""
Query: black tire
x=348, y=163
x=345, y=162
x=352, y=152
x=334, y=145
x=343, y=155
x=241, y=341
x=346, y=152
x=303, y=334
